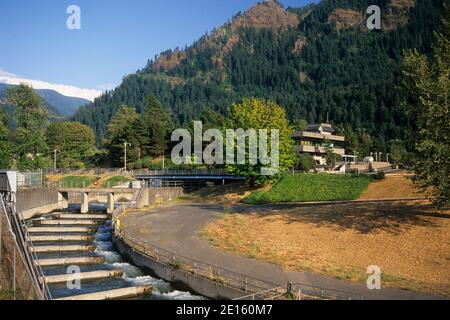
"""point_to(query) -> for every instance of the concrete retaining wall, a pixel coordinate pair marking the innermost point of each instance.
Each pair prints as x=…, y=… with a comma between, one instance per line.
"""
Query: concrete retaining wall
x=31, y=202
x=181, y=279
x=160, y=195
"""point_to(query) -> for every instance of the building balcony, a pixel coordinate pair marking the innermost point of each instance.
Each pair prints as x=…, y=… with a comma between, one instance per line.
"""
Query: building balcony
x=313, y=135
x=317, y=150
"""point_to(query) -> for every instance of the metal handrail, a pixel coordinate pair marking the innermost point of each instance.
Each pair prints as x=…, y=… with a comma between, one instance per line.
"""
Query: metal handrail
x=212, y=272
x=313, y=292
x=276, y=292
x=20, y=234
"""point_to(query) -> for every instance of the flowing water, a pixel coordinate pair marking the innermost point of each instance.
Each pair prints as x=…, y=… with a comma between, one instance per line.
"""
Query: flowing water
x=132, y=275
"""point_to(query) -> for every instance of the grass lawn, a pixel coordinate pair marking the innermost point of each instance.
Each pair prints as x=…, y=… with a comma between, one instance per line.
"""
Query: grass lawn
x=114, y=181
x=77, y=181
x=312, y=187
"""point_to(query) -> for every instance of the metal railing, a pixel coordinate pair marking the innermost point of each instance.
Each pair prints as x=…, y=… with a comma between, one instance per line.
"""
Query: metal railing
x=18, y=229
x=187, y=172
x=308, y=292
x=270, y=294
x=214, y=273
x=30, y=179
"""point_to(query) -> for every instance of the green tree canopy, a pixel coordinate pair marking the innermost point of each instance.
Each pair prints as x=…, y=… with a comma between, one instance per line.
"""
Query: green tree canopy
x=73, y=141
x=428, y=82
x=5, y=144
x=32, y=118
x=262, y=114
x=126, y=126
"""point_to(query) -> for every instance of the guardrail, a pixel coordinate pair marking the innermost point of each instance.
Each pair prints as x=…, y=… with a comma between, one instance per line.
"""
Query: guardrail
x=270, y=294
x=307, y=292
x=21, y=238
x=175, y=172
x=212, y=272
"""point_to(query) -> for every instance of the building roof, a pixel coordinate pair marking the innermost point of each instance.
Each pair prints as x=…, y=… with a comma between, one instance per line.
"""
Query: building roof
x=320, y=127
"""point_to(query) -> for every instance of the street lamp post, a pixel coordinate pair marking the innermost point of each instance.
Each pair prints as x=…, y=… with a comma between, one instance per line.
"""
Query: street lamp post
x=54, y=160
x=125, y=144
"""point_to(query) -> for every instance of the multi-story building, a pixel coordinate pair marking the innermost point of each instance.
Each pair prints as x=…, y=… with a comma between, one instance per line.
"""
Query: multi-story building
x=314, y=139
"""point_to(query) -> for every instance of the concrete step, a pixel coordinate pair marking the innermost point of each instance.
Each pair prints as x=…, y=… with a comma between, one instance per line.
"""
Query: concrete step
x=68, y=222
x=82, y=216
x=57, y=229
x=70, y=261
x=62, y=238
x=122, y=293
x=66, y=248
x=93, y=275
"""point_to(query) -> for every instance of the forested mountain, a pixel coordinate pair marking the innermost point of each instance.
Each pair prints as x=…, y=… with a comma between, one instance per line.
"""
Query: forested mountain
x=316, y=60
x=58, y=104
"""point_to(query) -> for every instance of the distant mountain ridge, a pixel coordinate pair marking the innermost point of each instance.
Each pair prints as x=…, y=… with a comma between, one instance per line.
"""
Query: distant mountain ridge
x=60, y=105
x=315, y=61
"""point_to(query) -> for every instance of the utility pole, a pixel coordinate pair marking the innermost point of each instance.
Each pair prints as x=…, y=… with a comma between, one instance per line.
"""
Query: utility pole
x=125, y=144
x=54, y=160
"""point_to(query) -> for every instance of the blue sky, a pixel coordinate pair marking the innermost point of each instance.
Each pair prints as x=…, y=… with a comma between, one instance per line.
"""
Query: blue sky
x=116, y=37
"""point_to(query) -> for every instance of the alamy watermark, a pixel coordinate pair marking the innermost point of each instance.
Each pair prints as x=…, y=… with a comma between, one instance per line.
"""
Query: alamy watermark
x=242, y=147
x=374, y=279
x=73, y=22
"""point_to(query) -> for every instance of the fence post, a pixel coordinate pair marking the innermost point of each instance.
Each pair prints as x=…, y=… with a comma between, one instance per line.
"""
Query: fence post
x=289, y=288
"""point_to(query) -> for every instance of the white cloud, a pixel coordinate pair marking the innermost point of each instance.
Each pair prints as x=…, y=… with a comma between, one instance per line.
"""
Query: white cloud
x=67, y=90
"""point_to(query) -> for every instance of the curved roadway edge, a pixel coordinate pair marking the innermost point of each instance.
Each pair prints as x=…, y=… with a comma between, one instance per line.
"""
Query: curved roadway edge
x=176, y=228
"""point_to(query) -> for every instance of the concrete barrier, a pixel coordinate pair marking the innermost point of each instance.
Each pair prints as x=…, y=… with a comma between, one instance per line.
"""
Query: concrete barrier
x=66, y=248
x=70, y=261
x=113, y=294
x=161, y=195
x=93, y=275
x=31, y=202
x=67, y=222
x=181, y=279
x=62, y=238
x=82, y=216
x=62, y=229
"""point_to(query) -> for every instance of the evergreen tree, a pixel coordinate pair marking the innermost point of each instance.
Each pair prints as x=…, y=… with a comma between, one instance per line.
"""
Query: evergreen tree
x=125, y=127
x=159, y=126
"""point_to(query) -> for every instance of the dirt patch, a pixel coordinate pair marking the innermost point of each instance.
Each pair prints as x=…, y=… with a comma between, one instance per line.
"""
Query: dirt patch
x=394, y=186
x=410, y=242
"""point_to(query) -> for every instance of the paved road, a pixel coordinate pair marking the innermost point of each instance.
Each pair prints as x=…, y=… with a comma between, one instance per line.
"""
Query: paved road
x=176, y=228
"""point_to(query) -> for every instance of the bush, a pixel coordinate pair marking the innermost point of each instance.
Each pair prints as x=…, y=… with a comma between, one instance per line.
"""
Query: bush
x=304, y=162
x=378, y=176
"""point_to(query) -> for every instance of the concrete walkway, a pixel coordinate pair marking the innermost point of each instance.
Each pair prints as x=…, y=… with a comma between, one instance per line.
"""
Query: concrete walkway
x=176, y=228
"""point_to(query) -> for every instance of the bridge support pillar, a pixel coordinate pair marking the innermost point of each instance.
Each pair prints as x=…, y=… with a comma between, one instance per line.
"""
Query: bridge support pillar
x=84, y=202
x=63, y=200
x=110, y=204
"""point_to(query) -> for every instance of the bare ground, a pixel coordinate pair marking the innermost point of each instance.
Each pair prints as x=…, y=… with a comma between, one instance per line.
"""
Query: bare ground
x=409, y=242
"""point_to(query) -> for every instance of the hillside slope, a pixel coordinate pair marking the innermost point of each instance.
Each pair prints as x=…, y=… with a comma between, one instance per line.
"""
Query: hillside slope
x=315, y=60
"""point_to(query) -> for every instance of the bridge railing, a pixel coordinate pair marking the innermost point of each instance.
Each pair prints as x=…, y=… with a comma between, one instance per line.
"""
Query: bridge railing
x=187, y=172
x=214, y=273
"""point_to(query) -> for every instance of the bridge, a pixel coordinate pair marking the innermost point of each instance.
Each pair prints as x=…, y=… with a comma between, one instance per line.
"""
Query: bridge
x=98, y=195
x=160, y=178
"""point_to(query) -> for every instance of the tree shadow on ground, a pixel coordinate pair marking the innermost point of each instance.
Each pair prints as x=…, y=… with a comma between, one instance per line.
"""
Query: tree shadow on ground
x=364, y=217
